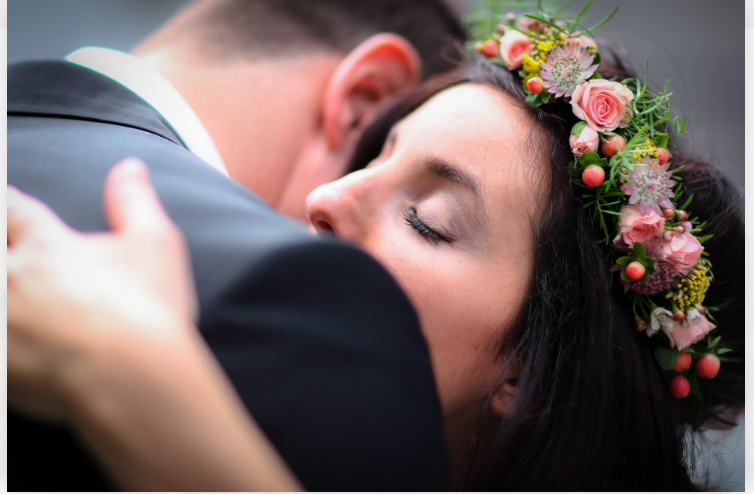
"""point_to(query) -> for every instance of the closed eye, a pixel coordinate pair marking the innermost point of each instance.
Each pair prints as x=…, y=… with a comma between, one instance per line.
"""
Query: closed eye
x=412, y=219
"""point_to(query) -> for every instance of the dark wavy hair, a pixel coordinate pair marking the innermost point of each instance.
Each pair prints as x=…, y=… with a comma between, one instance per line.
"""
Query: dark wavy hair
x=591, y=409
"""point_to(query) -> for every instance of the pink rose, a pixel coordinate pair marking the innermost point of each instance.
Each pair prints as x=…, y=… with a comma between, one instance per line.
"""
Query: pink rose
x=683, y=337
x=603, y=104
x=636, y=226
x=513, y=46
x=682, y=251
x=587, y=141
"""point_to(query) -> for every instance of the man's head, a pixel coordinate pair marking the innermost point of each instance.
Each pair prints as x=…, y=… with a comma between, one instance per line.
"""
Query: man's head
x=286, y=87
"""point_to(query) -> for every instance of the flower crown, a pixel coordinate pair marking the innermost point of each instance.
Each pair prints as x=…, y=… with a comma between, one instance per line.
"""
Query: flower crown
x=622, y=161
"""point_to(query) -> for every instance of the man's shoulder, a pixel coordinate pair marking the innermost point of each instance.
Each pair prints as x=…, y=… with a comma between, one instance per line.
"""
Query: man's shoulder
x=57, y=88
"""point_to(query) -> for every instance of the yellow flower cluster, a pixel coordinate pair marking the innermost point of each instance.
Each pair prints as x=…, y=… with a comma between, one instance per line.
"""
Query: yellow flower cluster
x=543, y=43
x=692, y=289
x=653, y=155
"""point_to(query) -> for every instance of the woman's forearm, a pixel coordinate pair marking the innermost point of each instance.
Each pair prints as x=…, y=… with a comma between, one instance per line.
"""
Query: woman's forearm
x=162, y=417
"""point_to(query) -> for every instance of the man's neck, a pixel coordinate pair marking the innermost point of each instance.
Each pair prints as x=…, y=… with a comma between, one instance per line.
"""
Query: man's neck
x=258, y=113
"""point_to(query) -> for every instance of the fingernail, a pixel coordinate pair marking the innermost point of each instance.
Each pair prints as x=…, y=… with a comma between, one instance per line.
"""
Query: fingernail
x=133, y=169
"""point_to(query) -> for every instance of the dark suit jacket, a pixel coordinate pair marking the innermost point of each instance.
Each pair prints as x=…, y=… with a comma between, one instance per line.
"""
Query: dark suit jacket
x=319, y=341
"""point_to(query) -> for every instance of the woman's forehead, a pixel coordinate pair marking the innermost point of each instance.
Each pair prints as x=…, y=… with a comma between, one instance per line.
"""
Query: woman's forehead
x=469, y=114
x=484, y=132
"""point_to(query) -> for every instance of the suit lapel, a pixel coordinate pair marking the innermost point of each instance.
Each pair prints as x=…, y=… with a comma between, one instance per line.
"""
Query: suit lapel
x=61, y=89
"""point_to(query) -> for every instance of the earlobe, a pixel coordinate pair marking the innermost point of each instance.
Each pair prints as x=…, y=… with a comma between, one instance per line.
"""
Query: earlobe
x=503, y=399
x=365, y=82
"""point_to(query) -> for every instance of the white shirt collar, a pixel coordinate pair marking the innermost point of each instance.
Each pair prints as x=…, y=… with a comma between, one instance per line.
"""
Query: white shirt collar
x=149, y=85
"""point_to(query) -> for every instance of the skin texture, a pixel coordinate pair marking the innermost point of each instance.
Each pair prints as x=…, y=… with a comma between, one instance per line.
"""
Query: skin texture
x=466, y=286
x=307, y=111
x=467, y=289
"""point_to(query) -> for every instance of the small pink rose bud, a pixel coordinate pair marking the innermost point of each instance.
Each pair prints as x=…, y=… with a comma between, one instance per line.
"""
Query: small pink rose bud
x=510, y=15
x=535, y=85
x=681, y=215
x=668, y=213
x=490, y=49
x=593, y=176
x=583, y=139
x=679, y=230
x=667, y=236
x=688, y=226
x=613, y=144
x=664, y=156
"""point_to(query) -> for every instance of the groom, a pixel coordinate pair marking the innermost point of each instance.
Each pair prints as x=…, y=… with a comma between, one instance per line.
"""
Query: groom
x=269, y=96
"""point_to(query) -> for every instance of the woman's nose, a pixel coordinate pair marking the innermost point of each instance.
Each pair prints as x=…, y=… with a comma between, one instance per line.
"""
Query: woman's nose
x=339, y=208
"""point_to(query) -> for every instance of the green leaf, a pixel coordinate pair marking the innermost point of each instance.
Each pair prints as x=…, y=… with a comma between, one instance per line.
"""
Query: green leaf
x=603, y=21
x=532, y=98
x=662, y=140
x=597, y=60
x=705, y=238
x=666, y=357
x=721, y=351
x=577, y=128
x=624, y=261
x=649, y=263
x=688, y=201
x=545, y=21
x=589, y=158
x=624, y=276
x=713, y=343
x=544, y=96
x=583, y=11
x=639, y=251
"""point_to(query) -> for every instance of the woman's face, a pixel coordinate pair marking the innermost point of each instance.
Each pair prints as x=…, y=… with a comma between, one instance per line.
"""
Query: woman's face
x=448, y=208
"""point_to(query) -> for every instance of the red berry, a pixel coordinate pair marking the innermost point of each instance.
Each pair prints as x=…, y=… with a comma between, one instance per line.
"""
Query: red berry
x=490, y=48
x=679, y=387
x=683, y=362
x=610, y=148
x=535, y=85
x=635, y=270
x=664, y=156
x=708, y=366
x=593, y=176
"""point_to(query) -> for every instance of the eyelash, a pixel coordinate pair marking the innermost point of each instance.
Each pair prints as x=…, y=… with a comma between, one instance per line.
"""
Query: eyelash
x=412, y=219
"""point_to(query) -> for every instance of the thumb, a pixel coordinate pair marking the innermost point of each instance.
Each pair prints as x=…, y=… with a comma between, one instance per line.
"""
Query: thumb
x=131, y=203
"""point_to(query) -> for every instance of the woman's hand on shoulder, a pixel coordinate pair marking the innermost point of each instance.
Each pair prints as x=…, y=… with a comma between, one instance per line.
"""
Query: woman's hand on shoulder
x=78, y=302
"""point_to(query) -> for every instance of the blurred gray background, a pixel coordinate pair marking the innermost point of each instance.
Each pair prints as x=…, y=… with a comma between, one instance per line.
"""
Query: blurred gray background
x=698, y=44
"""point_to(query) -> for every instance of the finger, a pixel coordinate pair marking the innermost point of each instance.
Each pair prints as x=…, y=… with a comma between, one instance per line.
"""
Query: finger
x=131, y=203
x=29, y=216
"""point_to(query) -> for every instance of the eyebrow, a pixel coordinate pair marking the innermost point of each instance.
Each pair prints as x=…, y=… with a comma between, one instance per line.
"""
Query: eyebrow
x=443, y=169
x=451, y=172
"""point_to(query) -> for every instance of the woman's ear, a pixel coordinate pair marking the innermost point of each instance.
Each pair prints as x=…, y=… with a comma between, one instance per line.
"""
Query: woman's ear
x=504, y=398
x=370, y=77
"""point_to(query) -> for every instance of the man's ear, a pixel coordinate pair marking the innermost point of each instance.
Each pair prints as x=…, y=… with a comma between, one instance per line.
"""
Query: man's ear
x=371, y=76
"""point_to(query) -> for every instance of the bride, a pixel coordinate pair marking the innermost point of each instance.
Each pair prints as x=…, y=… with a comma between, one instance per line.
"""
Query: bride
x=545, y=383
